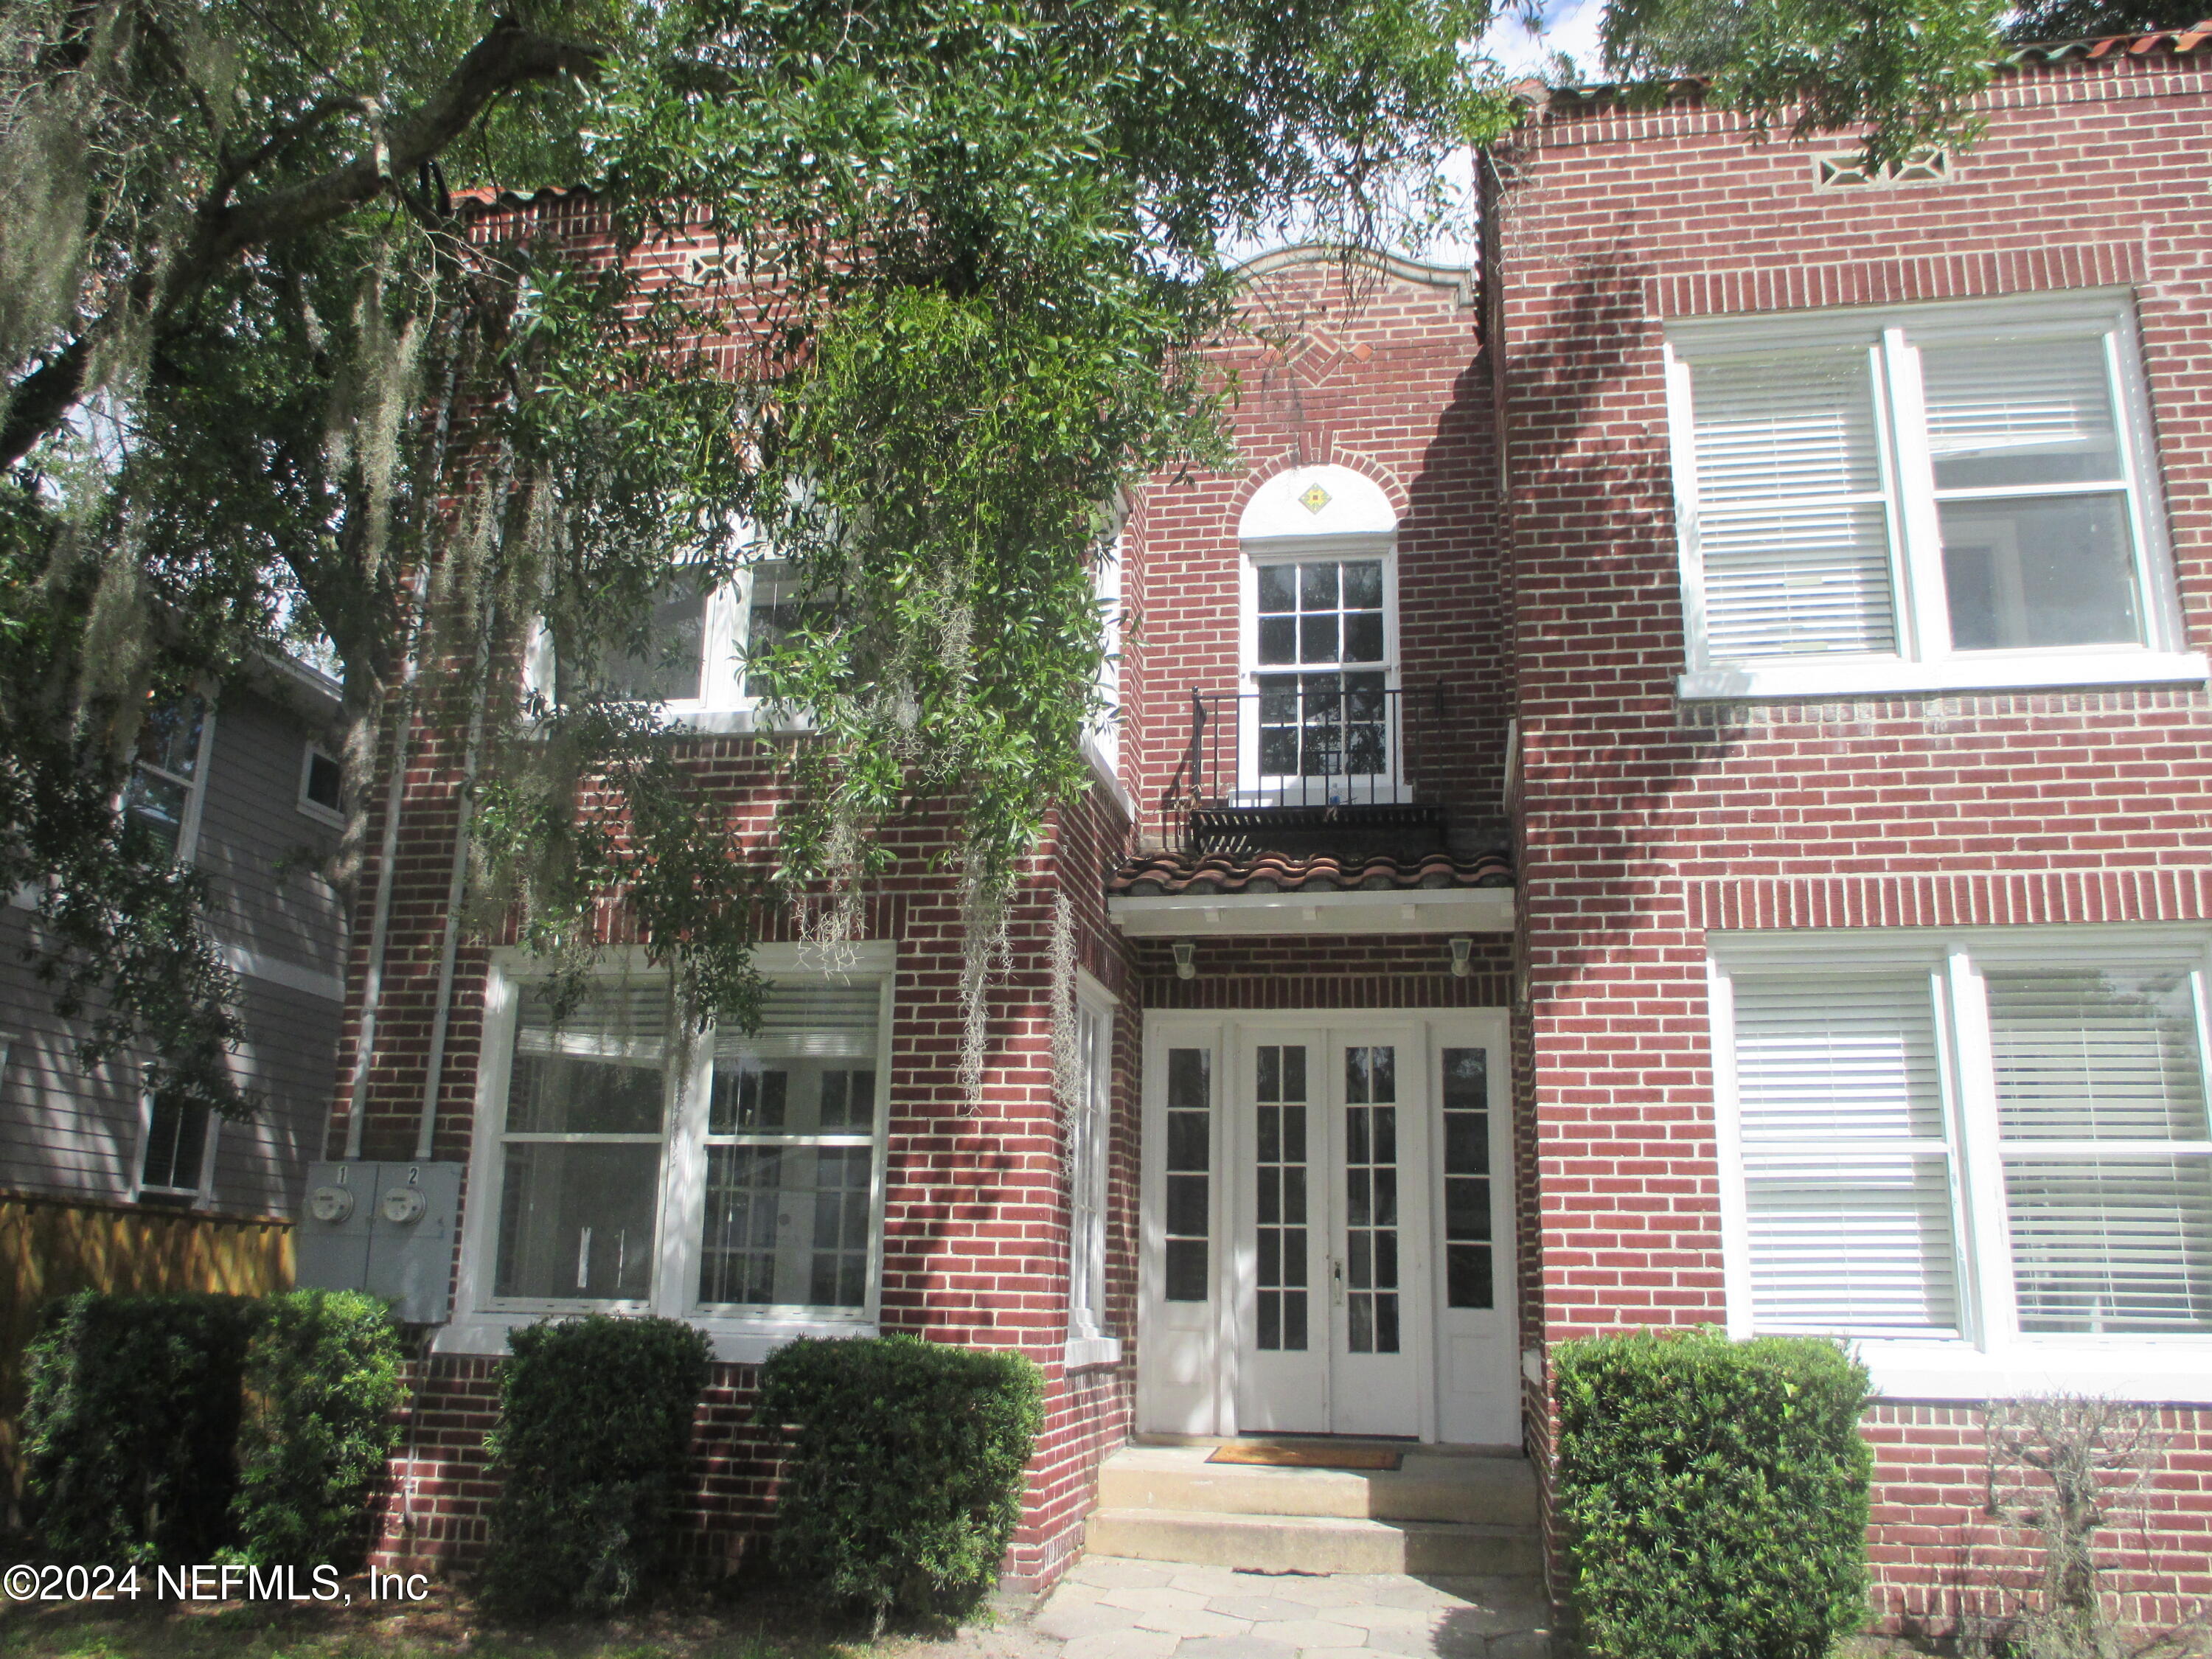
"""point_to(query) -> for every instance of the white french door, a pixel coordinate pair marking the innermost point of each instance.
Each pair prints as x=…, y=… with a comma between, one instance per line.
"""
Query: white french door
x=1331, y=1211
x=1328, y=1248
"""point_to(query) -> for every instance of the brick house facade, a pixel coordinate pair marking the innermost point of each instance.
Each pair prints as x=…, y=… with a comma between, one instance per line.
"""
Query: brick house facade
x=1696, y=823
x=1513, y=749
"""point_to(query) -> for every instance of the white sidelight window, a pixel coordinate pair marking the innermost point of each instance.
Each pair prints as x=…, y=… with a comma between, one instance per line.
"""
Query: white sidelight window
x=1925, y=496
x=1090, y=1147
x=1989, y=1145
x=629, y=1164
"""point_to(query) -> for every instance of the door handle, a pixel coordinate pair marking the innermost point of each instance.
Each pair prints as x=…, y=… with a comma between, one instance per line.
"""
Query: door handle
x=1336, y=1281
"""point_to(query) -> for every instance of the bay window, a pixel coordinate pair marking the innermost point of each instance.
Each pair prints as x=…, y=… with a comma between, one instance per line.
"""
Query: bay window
x=628, y=1165
x=1990, y=1144
x=1925, y=496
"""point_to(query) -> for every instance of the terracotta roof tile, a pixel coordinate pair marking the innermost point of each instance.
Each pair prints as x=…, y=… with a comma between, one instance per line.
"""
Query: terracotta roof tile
x=1575, y=102
x=1271, y=872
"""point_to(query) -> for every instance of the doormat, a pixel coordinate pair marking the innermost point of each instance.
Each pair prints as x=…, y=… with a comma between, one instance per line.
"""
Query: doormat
x=1305, y=1458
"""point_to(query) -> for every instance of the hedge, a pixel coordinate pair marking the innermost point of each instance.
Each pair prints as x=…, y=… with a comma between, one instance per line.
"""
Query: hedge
x=594, y=1428
x=322, y=1382
x=1712, y=1495
x=904, y=1480
x=130, y=1426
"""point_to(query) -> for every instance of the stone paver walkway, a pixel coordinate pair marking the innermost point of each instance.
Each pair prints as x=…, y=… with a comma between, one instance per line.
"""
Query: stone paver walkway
x=1109, y=1607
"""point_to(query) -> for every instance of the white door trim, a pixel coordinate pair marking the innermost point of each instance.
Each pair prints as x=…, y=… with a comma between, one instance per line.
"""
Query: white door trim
x=1188, y=1352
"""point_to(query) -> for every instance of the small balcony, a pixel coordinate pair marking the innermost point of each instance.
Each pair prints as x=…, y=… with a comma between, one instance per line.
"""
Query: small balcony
x=1308, y=764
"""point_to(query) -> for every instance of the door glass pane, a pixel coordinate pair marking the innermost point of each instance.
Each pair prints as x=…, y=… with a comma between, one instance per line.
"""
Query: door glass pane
x=1370, y=1199
x=1468, y=1275
x=1190, y=1105
x=1281, y=1235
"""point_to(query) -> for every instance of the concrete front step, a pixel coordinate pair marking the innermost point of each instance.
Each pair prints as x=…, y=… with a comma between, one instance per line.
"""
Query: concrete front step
x=1428, y=1485
x=1313, y=1543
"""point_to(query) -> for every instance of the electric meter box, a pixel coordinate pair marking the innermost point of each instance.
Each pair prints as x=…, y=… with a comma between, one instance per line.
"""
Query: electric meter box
x=384, y=1228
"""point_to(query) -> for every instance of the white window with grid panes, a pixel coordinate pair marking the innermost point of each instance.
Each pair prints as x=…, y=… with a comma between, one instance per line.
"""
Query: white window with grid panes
x=627, y=1164
x=1985, y=1158
x=1319, y=720
x=1091, y=1338
x=1920, y=497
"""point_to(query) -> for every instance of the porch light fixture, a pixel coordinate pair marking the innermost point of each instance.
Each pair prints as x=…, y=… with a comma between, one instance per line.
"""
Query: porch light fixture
x=1185, y=968
x=1462, y=954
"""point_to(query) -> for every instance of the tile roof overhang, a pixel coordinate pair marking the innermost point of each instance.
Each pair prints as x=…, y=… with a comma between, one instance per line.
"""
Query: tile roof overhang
x=1166, y=895
x=1573, y=103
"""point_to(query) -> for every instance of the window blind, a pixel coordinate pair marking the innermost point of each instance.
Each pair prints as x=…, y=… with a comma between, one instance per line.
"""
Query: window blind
x=827, y=1021
x=2111, y=1244
x=1991, y=402
x=1847, y=1172
x=1793, y=535
x=2088, y=1056
x=612, y=1020
x=2104, y=1242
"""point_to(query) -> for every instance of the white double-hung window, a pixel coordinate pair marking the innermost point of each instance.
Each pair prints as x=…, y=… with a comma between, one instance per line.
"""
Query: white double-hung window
x=693, y=657
x=1920, y=497
x=1979, y=1155
x=625, y=1163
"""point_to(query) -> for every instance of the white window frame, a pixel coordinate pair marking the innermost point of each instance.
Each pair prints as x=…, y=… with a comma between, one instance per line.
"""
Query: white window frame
x=195, y=787
x=1255, y=788
x=1990, y=1357
x=314, y=809
x=1923, y=661
x=202, y=1191
x=723, y=705
x=1102, y=737
x=481, y=1320
x=1091, y=1338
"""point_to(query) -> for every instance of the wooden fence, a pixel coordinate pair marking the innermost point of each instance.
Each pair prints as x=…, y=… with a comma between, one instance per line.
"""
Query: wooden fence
x=50, y=1247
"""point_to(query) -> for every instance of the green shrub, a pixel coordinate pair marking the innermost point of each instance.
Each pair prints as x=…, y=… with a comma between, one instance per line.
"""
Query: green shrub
x=1713, y=1495
x=904, y=1486
x=130, y=1426
x=322, y=1382
x=594, y=1425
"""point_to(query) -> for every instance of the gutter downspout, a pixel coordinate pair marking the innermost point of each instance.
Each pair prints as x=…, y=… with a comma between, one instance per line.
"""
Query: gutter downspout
x=379, y=927
x=456, y=885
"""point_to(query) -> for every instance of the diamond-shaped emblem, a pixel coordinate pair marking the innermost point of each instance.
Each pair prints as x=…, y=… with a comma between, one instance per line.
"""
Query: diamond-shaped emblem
x=1314, y=499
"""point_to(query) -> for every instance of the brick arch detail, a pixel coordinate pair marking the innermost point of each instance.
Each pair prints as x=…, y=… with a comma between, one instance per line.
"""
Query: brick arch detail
x=1320, y=448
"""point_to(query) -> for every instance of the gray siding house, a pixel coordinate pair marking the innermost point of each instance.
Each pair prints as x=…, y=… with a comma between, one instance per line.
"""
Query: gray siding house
x=245, y=784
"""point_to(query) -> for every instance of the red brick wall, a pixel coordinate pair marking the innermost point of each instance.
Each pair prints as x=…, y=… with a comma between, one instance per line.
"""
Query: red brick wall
x=1646, y=822
x=1385, y=376
x=975, y=1217
x=976, y=1221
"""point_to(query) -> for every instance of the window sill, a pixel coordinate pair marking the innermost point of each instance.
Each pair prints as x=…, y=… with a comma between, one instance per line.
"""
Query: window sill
x=1083, y=1353
x=2142, y=1369
x=736, y=1342
x=1812, y=678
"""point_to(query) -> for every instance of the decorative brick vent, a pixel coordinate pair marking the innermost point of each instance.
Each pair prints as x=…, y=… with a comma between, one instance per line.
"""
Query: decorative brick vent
x=1849, y=171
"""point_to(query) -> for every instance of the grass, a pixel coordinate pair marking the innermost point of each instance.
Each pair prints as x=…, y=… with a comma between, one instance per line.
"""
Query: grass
x=768, y=1623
